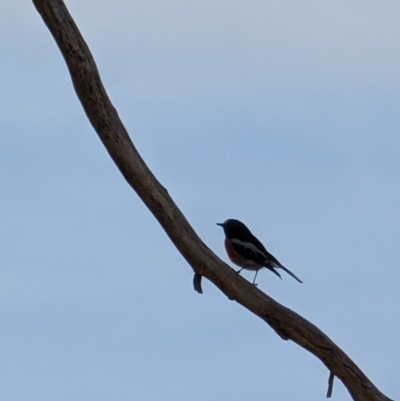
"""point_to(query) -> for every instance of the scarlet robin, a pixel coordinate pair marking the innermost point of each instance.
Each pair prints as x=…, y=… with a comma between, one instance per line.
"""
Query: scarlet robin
x=246, y=251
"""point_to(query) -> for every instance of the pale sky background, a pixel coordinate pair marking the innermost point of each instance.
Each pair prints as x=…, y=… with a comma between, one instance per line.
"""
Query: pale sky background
x=284, y=114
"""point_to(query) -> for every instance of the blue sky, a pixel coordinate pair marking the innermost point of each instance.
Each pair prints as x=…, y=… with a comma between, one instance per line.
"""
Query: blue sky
x=283, y=114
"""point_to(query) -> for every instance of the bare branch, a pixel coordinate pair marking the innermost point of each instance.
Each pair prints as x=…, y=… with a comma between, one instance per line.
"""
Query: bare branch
x=105, y=120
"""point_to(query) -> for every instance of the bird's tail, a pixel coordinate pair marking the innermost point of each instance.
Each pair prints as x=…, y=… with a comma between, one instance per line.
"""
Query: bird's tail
x=289, y=272
x=274, y=271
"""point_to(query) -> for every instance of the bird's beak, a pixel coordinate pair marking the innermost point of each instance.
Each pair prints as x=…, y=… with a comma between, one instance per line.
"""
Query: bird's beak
x=220, y=224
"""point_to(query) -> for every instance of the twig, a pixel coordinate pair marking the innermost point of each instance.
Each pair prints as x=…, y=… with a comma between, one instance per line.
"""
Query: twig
x=197, y=283
x=330, y=385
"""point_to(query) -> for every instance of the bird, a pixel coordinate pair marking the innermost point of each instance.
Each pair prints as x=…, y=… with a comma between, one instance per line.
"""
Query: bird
x=247, y=252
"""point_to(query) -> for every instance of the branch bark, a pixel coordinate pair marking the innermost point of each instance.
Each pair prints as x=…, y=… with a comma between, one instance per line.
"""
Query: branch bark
x=104, y=118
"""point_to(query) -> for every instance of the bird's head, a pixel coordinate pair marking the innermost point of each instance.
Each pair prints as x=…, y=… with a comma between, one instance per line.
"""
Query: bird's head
x=232, y=227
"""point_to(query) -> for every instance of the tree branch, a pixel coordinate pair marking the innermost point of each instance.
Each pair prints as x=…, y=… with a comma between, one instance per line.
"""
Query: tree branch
x=104, y=118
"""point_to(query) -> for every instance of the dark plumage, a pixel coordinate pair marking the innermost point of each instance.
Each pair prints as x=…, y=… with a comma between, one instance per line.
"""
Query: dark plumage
x=246, y=251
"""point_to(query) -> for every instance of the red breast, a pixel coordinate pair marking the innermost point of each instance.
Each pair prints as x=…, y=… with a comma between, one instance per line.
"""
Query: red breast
x=234, y=256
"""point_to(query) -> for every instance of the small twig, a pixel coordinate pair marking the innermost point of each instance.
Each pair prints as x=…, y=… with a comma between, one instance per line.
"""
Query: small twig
x=197, y=283
x=330, y=385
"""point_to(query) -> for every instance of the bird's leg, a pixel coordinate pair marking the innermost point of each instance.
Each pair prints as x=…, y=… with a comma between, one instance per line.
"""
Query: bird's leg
x=238, y=271
x=254, y=281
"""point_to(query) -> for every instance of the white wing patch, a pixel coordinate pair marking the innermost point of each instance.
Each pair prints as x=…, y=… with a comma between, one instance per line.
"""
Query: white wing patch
x=251, y=247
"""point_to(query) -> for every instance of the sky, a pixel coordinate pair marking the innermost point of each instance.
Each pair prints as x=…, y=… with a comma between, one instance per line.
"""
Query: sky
x=282, y=114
